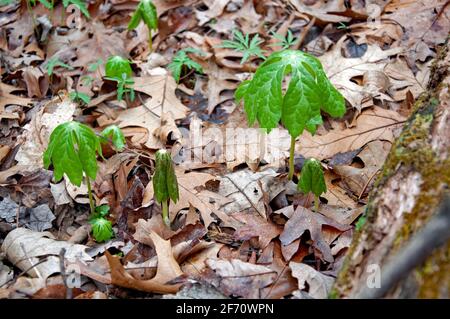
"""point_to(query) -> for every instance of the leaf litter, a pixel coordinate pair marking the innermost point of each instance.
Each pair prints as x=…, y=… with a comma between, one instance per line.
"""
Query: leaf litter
x=239, y=228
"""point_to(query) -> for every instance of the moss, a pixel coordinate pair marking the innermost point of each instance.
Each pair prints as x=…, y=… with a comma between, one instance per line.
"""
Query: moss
x=412, y=152
x=434, y=275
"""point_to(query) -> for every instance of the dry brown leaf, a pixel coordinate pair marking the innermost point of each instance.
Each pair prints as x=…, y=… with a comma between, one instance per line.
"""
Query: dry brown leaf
x=238, y=278
x=323, y=10
x=420, y=24
x=303, y=219
x=246, y=189
x=168, y=270
x=373, y=124
x=191, y=193
x=24, y=248
x=215, y=9
x=318, y=283
x=255, y=226
x=341, y=71
x=196, y=264
x=360, y=180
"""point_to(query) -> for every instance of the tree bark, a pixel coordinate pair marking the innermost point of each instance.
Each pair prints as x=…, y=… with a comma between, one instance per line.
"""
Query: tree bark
x=407, y=194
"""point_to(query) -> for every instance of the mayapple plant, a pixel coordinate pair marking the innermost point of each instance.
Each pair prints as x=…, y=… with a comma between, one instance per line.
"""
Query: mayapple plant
x=73, y=150
x=145, y=11
x=119, y=70
x=308, y=93
x=312, y=180
x=165, y=184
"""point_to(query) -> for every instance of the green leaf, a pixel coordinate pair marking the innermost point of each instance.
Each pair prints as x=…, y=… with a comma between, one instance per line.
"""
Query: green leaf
x=94, y=66
x=117, y=68
x=102, y=211
x=46, y=4
x=6, y=2
x=182, y=59
x=244, y=45
x=311, y=178
x=79, y=96
x=308, y=93
x=72, y=150
x=114, y=133
x=101, y=229
x=165, y=184
x=284, y=42
x=54, y=62
x=145, y=11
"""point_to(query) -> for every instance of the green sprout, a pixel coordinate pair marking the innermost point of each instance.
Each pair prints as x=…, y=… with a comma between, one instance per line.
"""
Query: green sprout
x=284, y=42
x=182, y=60
x=55, y=62
x=119, y=70
x=312, y=180
x=114, y=135
x=248, y=47
x=145, y=11
x=165, y=184
x=308, y=93
x=72, y=150
x=101, y=227
x=79, y=97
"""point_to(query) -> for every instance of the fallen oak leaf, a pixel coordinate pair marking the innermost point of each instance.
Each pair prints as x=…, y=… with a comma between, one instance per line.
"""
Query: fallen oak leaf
x=167, y=271
x=255, y=226
x=318, y=283
x=303, y=219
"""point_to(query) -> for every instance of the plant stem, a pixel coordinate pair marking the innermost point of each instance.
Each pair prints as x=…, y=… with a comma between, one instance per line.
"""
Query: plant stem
x=165, y=212
x=91, y=198
x=291, y=159
x=150, y=40
x=316, y=203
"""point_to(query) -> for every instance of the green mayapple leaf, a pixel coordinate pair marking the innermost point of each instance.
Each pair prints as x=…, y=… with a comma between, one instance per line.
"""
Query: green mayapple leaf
x=308, y=93
x=72, y=150
x=145, y=11
x=114, y=133
x=101, y=229
x=311, y=178
x=165, y=184
x=118, y=68
x=102, y=211
x=182, y=59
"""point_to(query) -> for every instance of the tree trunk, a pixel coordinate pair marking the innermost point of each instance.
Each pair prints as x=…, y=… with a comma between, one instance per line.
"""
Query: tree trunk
x=411, y=186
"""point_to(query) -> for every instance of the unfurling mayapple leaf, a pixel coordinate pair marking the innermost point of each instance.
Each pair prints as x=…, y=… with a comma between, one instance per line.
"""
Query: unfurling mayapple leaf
x=72, y=150
x=145, y=11
x=101, y=229
x=165, y=184
x=118, y=68
x=312, y=179
x=115, y=135
x=309, y=91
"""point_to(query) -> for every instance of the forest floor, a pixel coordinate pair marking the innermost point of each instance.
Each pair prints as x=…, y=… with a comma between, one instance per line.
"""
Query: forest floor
x=240, y=228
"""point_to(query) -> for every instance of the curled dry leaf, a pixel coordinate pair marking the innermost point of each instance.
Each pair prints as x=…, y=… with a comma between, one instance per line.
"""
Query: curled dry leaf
x=318, y=283
x=168, y=270
x=25, y=248
x=33, y=140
